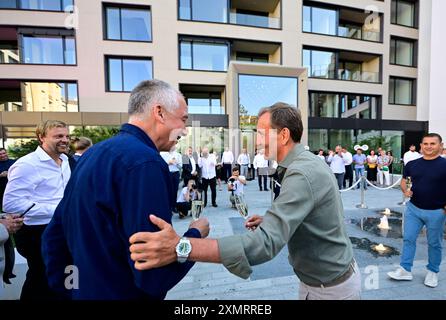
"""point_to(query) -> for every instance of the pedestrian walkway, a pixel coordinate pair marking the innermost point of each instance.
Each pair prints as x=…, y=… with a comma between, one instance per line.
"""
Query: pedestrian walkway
x=275, y=279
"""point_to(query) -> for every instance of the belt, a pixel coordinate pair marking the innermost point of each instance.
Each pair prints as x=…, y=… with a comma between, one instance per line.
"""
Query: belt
x=244, y=164
x=342, y=278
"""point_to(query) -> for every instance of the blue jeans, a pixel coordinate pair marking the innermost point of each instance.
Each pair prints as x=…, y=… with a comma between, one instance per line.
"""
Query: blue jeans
x=414, y=219
x=359, y=172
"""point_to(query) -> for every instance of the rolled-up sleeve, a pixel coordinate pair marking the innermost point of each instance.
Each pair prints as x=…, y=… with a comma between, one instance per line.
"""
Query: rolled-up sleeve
x=239, y=252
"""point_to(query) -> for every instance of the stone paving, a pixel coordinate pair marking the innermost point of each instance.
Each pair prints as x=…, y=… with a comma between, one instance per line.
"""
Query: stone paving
x=275, y=279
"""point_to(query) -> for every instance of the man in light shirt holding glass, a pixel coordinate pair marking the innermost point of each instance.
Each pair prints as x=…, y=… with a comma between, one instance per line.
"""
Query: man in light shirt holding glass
x=38, y=178
x=207, y=163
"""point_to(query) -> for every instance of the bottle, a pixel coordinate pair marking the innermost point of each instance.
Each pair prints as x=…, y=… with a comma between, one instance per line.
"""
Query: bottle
x=408, y=183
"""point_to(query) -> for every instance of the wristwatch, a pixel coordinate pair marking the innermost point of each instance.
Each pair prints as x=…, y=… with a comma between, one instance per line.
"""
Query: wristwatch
x=183, y=250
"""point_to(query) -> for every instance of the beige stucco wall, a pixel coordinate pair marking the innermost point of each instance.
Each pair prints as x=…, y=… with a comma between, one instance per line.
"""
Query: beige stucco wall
x=91, y=49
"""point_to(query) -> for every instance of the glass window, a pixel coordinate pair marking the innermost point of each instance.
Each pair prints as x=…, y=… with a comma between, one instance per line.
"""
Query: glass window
x=324, y=105
x=40, y=97
x=128, y=24
x=323, y=21
x=48, y=50
x=402, y=52
x=306, y=19
x=323, y=64
x=51, y=5
x=401, y=91
x=10, y=4
x=210, y=56
x=186, y=55
x=124, y=74
x=185, y=9
x=198, y=55
x=344, y=137
x=318, y=139
x=113, y=23
x=252, y=57
x=204, y=103
x=256, y=92
x=403, y=13
x=214, y=11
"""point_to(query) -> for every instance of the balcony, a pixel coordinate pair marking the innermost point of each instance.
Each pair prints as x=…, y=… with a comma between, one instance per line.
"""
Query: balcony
x=35, y=96
x=341, y=22
x=263, y=14
x=214, y=54
x=37, y=46
x=342, y=65
x=204, y=99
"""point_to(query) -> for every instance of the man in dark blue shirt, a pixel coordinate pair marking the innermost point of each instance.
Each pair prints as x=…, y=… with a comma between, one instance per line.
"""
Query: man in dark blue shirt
x=117, y=184
x=427, y=207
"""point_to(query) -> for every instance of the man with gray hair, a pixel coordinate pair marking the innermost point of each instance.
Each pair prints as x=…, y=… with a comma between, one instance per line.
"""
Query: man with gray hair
x=118, y=183
x=307, y=214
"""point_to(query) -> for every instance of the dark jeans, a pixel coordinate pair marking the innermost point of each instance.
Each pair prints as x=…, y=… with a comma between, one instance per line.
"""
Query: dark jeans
x=227, y=171
x=348, y=176
x=28, y=242
x=175, y=178
x=265, y=181
x=212, y=182
x=184, y=207
x=340, y=179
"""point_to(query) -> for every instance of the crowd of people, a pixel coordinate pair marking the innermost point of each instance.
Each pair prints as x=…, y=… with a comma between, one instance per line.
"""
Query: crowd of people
x=377, y=166
x=106, y=210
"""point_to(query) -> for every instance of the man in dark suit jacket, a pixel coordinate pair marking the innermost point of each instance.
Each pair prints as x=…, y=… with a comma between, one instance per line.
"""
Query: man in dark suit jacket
x=190, y=168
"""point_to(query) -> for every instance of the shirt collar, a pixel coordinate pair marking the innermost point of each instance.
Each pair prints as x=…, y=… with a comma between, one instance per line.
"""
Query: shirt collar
x=43, y=156
x=297, y=150
x=138, y=133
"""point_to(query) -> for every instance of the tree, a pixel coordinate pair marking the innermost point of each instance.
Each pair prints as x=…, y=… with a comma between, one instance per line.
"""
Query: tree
x=22, y=148
x=96, y=134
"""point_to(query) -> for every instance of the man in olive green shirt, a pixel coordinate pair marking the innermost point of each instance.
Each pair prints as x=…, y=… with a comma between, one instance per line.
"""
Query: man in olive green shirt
x=307, y=215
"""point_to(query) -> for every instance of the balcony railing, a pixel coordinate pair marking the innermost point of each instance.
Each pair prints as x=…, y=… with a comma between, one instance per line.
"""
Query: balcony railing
x=358, y=33
x=328, y=72
x=254, y=20
x=206, y=109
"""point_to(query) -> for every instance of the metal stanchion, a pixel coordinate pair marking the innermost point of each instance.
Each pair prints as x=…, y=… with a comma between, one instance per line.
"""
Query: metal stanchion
x=272, y=189
x=362, y=205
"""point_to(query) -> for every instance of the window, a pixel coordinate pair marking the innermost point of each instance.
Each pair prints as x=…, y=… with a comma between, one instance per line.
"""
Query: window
x=203, y=55
x=125, y=73
x=402, y=52
x=403, y=13
x=132, y=24
x=401, y=91
x=339, y=105
x=204, y=103
x=320, y=64
x=48, y=49
x=204, y=10
x=258, y=91
x=319, y=20
x=39, y=96
x=49, y=5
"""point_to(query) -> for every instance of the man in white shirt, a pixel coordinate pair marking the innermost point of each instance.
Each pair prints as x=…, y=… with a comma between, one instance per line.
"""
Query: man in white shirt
x=207, y=164
x=236, y=185
x=227, y=159
x=244, y=162
x=412, y=154
x=337, y=165
x=261, y=166
x=348, y=159
x=175, y=162
x=38, y=178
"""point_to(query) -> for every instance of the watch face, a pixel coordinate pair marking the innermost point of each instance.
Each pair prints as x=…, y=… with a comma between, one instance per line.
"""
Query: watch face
x=184, y=248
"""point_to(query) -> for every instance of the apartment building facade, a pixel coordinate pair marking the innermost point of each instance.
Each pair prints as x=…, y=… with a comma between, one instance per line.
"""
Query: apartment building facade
x=351, y=66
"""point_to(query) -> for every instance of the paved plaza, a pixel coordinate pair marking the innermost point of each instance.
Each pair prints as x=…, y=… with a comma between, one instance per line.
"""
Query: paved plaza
x=275, y=279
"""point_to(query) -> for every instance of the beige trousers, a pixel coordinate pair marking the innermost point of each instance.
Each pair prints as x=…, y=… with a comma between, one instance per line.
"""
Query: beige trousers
x=348, y=290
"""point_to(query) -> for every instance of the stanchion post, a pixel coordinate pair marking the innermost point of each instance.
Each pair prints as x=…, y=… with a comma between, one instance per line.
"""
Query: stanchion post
x=362, y=205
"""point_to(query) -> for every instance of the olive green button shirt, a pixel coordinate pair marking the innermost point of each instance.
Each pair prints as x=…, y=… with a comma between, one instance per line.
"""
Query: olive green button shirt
x=307, y=215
